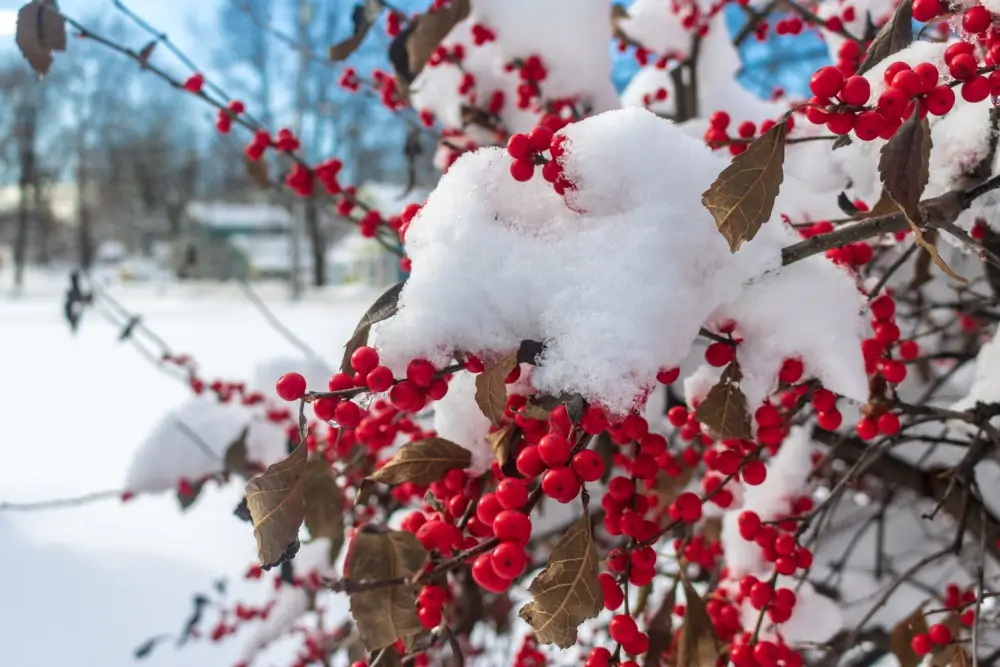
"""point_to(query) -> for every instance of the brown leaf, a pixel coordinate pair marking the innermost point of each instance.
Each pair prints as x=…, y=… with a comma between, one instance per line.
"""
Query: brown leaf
x=258, y=172
x=236, y=461
x=412, y=47
x=884, y=206
x=711, y=529
x=41, y=30
x=619, y=12
x=742, y=197
x=567, y=591
x=384, y=307
x=894, y=36
x=660, y=630
x=698, y=646
x=724, y=410
x=423, y=462
x=389, y=613
x=363, y=17
x=277, y=507
x=500, y=441
x=324, y=512
x=479, y=117
x=902, y=634
x=491, y=388
x=903, y=165
x=146, y=53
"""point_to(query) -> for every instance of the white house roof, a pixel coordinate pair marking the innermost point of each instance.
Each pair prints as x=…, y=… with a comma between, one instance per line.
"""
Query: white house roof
x=221, y=215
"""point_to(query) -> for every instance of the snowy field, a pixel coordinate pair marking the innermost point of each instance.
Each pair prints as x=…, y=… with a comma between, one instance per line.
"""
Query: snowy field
x=83, y=586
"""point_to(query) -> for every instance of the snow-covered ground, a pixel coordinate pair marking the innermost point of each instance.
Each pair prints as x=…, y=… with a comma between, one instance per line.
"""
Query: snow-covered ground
x=83, y=586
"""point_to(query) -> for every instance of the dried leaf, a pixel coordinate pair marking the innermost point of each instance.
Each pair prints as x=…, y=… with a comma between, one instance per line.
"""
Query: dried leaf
x=894, y=36
x=841, y=141
x=846, y=205
x=41, y=30
x=324, y=512
x=742, y=197
x=146, y=53
x=146, y=648
x=724, y=409
x=411, y=48
x=236, y=460
x=660, y=630
x=500, y=441
x=567, y=591
x=711, y=529
x=363, y=17
x=491, y=388
x=384, y=307
x=901, y=636
x=698, y=646
x=258, y=172
x=884, y=206
x=619, y=12
x=276, y=502
x=903, y=165
x=471, y=115
x=384, y=614
x=423, y=462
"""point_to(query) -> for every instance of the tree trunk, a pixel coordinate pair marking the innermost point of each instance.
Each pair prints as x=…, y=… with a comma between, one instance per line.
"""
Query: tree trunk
x=317, y=242
x=26, y=137
x=85, y=241
x=43, y=222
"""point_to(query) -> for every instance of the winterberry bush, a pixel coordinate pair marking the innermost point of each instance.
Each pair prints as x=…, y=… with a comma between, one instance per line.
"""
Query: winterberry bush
x=677, y=376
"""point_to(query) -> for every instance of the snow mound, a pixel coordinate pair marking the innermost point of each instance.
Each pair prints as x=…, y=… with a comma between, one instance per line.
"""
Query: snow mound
x=616, y=280
x=190, y=443
x=290, y=604
x=986, y=381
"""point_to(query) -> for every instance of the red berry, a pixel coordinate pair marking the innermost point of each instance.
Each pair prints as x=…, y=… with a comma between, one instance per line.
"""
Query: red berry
x=749, y=524
x=883, y=307
x=512, y=526
x=623, y=629
x=791, y=371
x=668, y=375
x=613, y=596
x=867, y=428
x=824, y=399
x=347, y=414
x=508, y=560
x=522, y=170
x=975, y=20
x=431, y=596
x=588, y=465
x=926, y=10
x=719, y=354
x=888, y=424
x=488, y=508
x=855, y=91
x=194, y=83
x=519, y=146
x=677, y=415
x=512, y=494
x=325, y=409
x=541, y=138
x=430, y=617
x=826, y=82
x=420, y=372
x=554, y=450
x=829, y=420
x=561, y=484
x=290, y=386
x=760, y=594
x=364, y=360
x=484, y=575
x=405, y=396
x=921, y=644
x=529, y=463
x=379, y=379
x=963, y=66
x=868, y=126
x=928, y=74
x=939, y=633
x=976, y=89
x=909, y=350
x=689, y=507
x=754, y=473
x=719, y=120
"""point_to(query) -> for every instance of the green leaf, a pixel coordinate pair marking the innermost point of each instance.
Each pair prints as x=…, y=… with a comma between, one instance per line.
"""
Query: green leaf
x=567, y=591
x=276, y=501
x=423, y=462
x=742, y=198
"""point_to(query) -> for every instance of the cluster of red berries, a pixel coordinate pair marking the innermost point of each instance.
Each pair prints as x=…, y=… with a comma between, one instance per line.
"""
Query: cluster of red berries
x=430, y=603
x=623, y=629
x=963, y=66
x=777, y=546
x=224, y=121
x=716, y=136
x=876, y=349
x=349, y=80
x=443, y=54
x=482, y=34
x=258, y=145
x=527, y=149
x=388, y=89
x=658, y=95
x=791, y=25
x=393, y=23
x=743, y=652
x=937, y=635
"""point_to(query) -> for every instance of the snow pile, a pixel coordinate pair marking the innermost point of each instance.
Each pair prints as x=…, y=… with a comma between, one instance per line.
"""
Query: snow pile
x=986, y=381
x=616, y=280
x=576, y=59
x=290, y=603
x=190, y=442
